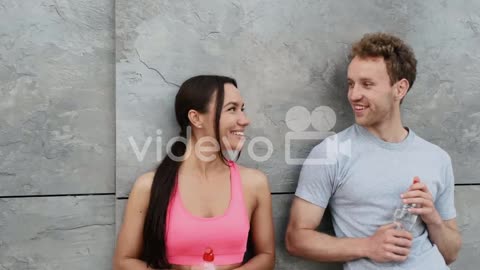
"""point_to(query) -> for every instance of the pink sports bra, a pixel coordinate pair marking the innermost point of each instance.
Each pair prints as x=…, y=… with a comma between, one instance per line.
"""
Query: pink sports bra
x=187, y=236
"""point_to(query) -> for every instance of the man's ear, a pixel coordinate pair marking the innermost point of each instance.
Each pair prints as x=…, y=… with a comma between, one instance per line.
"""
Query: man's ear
x=401, y=89
x=196, y=119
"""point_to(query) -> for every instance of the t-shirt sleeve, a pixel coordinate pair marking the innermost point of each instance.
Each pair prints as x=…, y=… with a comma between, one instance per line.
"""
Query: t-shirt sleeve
x=445, y=201
x=317, y=177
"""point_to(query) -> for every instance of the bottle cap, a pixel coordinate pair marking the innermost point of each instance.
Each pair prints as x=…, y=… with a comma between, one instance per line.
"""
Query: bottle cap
x=208, y=255
x=416, y=180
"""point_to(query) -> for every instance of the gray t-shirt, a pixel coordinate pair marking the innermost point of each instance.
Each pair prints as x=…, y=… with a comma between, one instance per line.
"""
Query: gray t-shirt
x=362, y=184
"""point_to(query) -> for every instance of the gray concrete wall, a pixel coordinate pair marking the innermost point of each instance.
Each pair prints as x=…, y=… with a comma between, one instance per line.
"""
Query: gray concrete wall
x=57, y=134
x=68, y=232
x=57, y=120
x=68, y=105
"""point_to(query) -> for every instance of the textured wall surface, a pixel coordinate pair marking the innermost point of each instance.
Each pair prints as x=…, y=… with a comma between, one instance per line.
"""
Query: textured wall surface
x=62, y=84
x=57, y=78
x=57, y=134
x=466, y=200
x=57, y=233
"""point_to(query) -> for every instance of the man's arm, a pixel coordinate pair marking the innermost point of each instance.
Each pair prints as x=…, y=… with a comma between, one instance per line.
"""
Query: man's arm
x=302, y=240
x=447, y=238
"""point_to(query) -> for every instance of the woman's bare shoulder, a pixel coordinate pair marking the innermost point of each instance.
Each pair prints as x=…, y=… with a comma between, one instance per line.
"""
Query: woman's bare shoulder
x=253, y=178
x=143, y=184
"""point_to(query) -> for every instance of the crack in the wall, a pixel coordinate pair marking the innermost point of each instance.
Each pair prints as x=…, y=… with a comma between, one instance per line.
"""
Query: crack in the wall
x=156, y=70
x=55, y=5
x=210, y=34
x=81, y=227
x=474, y=26
x=10, y=143
x=41, y=234
x=235, y=5
x=270, y=118
x=198, y=16
x=17, y=262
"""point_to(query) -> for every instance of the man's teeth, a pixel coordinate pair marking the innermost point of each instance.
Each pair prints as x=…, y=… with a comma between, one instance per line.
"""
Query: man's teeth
x=358, y=107
x=238, y=133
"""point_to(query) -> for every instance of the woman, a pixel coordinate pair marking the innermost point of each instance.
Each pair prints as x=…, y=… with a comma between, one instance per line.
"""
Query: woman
x=203, y=200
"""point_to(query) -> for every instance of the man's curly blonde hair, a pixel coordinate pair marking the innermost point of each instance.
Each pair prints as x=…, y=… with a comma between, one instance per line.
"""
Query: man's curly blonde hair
x=398, y=56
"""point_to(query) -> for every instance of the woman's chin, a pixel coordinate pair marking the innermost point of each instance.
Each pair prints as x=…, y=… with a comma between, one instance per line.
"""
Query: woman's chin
x=235, y=144
x=234, y=147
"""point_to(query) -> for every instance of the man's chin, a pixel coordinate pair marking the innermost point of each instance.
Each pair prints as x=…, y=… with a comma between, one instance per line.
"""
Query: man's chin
x=361, y=122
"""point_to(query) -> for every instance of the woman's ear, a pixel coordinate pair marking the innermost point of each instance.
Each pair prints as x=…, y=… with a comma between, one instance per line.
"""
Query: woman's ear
x=195, y=118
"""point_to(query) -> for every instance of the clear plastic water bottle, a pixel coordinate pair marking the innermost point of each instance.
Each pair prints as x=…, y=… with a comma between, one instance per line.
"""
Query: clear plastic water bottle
x=208, y=258
x=403, y=218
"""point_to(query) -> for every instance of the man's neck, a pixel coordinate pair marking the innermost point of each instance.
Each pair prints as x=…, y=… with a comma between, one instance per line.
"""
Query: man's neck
x=389, y=131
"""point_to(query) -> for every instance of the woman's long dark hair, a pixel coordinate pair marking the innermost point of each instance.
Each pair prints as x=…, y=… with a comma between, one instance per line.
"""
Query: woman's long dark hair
x=194, y=94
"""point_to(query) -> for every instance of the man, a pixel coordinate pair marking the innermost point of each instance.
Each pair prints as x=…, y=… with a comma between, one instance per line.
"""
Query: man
x=363, y=189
